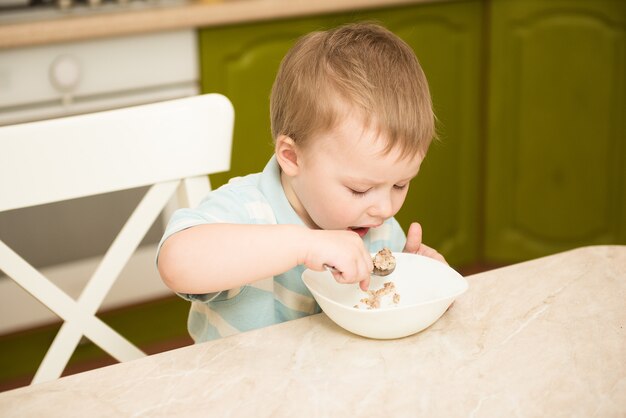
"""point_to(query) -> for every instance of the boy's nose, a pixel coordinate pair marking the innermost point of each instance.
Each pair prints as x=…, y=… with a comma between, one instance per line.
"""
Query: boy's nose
x=383, y=208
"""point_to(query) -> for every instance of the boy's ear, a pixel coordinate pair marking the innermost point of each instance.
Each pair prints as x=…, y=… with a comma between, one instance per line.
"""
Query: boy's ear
x=286, y=152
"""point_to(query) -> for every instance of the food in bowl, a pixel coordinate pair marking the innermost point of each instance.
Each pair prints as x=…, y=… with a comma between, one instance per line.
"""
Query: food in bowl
x=427, y=286
x=385, y=296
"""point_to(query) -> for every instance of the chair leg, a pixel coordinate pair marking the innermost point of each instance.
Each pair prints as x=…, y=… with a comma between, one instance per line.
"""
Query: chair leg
x=103, y=278
x=71, y=332
x=66, y=308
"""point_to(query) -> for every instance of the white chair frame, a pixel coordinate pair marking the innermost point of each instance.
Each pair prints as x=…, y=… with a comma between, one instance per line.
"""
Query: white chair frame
x=169, y=146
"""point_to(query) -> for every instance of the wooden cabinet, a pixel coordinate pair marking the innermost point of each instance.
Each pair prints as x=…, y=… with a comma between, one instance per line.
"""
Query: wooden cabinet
x=556, y=138
x=444, y=197
x=241, y=62
x=530, y=105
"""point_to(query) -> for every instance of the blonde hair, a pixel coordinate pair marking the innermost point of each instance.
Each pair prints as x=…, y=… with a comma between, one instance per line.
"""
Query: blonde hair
x=364, y=66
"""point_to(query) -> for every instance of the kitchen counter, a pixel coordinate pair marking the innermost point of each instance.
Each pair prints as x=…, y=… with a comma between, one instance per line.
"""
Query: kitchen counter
x=72, y=26
x=540, y=338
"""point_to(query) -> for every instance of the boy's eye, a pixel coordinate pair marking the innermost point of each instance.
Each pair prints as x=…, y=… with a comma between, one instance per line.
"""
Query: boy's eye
x=358, y=192
x=398, y=187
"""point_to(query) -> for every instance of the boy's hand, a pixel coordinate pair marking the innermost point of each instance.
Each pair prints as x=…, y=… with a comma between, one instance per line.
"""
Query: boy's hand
x=343, y=250
x=414, y=244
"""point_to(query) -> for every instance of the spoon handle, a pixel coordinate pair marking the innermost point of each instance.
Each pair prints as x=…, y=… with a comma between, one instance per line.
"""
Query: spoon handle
x=376, y=272
x=331, y=269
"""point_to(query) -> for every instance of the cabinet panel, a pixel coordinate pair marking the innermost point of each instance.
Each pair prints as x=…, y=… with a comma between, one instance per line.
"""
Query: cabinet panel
x=444, y=196
x=556, y=132
x=554, y=151
x=241, y=62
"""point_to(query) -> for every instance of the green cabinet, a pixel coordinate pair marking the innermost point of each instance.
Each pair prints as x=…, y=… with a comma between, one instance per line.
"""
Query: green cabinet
x=241, y=61
x=556, y=150
x=530, y=97
x=444, y=196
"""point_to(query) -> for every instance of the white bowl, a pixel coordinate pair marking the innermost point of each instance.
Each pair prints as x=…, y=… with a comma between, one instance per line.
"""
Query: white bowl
x=426, y=287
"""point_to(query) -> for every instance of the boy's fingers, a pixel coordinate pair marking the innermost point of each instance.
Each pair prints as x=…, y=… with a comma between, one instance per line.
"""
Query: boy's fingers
x=415, y=245
x=413, y=238
x=426, y=251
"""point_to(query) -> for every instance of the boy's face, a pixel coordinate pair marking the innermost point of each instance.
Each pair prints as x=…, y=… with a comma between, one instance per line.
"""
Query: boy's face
x=342, y=179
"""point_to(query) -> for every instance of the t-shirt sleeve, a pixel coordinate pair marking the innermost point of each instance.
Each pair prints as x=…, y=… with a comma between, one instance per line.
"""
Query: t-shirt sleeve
x=223, y=205
x=219, y=206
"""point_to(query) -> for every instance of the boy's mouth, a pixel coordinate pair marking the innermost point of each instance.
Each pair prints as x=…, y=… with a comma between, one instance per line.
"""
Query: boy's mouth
x=360, y=230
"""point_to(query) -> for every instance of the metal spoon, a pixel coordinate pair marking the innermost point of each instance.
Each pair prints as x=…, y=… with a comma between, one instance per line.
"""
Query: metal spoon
x=384, y=253
x=383, y=273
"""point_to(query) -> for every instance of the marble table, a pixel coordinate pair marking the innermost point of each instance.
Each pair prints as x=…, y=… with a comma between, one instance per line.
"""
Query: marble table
x=543, y=338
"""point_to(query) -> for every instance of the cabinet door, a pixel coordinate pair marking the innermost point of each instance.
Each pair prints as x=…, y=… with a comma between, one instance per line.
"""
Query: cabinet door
x=445, y=195
x=556, y=134
x=241, y=62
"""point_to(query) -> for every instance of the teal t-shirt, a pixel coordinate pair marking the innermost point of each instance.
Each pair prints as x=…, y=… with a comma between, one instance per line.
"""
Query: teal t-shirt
x=258, y=199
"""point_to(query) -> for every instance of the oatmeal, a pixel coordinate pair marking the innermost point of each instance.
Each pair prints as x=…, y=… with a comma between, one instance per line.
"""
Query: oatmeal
x=384, y=260
x=386, y=296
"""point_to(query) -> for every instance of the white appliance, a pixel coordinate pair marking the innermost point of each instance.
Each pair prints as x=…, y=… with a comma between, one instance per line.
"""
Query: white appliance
x=29, y=10
x=50, y=81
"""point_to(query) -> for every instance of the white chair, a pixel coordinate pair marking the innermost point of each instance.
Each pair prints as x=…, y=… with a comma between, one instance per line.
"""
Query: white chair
x=170, y=146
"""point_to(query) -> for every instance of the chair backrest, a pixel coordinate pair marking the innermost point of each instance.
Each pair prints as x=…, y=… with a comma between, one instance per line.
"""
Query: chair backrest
x=60, y=159
x=168, y=146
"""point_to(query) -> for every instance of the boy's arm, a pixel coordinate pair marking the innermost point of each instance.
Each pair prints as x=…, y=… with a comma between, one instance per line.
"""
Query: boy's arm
x=215, y=257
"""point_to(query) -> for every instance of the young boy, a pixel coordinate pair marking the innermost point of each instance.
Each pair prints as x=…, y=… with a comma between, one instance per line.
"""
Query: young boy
x=351, y=120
